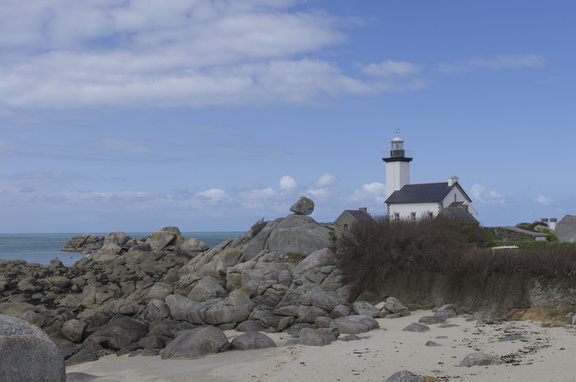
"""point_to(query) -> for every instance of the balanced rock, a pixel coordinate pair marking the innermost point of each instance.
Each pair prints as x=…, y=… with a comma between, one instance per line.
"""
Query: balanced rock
x=304, y=206
x=27, y=354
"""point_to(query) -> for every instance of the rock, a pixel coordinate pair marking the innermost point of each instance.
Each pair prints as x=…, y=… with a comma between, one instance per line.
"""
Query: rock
x=74, y=330
x=416, y=327
x=249, y=326
x=298, y=234
x=341, y=311
x=155, y=311
x=80, y=377
x=82, y=356
x=323, y=322
x=54, y=283
x=408, y=376
x=116, y=334
x=184, y=309
x=480, y=359
x=27, y=354
x=15, y=309
x=317, y=337
x=366, y=309
x=83, y=243
x=354, y=324
x=207, y=289
x=394, y=305
x=304, y=206
x=432, y=320
x=127, y=306
x=152, y=342
x=116, y=237
x=252, y=340
x=196, y=343
x=56, y=263
x=193, y=246
x=233, y=309
x=320, y=298
x=317, y=259
x=445, y=313
x=165, y=237
x=309, y=314
x=432, y=343
x=33, y=318
x=159, y=291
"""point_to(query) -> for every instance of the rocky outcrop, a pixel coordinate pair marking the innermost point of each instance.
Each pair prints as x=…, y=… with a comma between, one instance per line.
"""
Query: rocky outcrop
x=173, y=296
x=84, y=243
x=27, y=354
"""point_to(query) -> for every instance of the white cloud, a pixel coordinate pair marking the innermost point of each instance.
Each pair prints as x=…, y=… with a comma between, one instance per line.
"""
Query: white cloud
x=287, y=183
x=213, y=195
x=371, y=192
x=479, y=194
x=67, y=54
x=544, y=200
x=498, y=62
x=258, y=194
x=390, y=68
x=326, y=180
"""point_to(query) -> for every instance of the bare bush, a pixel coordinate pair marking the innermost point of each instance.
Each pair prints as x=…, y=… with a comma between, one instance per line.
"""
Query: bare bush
x=442, y=260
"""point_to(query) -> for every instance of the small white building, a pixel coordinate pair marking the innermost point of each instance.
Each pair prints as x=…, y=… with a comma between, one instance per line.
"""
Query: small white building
x=427, y=200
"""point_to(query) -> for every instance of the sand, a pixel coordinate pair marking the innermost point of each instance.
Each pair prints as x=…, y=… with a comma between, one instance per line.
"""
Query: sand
x=533, y=352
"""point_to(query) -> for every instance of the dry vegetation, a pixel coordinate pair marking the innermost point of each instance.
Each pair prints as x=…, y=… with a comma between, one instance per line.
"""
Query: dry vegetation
x=440, y=260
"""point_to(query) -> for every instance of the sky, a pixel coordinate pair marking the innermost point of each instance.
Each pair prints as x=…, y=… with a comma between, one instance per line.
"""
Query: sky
x=133, y=115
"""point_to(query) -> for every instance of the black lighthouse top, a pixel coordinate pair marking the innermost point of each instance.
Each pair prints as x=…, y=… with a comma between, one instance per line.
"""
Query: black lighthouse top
x=397, y=152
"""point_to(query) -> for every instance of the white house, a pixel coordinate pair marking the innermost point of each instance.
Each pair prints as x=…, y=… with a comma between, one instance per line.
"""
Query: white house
x=417, y=201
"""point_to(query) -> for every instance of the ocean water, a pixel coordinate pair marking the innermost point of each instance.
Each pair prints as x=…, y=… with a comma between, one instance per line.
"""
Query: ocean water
x=43, y=247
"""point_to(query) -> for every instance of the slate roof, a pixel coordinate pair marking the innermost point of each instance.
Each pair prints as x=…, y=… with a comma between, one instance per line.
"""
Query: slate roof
x=566, y=229
x=360, y=215
x=460, y=214
x=420, y=193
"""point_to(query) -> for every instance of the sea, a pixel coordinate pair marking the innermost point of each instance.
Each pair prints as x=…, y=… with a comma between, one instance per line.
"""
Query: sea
x=42, y=247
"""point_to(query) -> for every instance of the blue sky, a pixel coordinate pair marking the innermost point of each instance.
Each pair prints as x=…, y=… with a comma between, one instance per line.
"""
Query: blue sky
x=209, y=115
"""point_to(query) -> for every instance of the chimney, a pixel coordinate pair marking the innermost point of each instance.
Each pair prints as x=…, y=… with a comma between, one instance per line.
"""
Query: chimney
x=363, y=209
x=452, y=180
x=553, y=224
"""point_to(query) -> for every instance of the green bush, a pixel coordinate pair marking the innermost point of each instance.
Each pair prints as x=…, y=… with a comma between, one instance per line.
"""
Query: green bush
x=257, y=227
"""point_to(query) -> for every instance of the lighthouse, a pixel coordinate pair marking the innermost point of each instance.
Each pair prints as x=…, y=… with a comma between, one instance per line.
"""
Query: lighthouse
x=397, y=166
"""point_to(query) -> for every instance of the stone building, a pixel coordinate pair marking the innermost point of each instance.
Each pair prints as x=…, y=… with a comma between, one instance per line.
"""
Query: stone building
x=348, y=218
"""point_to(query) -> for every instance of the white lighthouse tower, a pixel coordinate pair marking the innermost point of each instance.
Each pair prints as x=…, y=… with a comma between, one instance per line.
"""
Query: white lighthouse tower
x=397, y=167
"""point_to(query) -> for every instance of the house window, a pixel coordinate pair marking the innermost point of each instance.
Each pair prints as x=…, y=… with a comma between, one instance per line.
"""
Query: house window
x=396, y=216
x=413, y=216
x=345, y=227
x=430, y=214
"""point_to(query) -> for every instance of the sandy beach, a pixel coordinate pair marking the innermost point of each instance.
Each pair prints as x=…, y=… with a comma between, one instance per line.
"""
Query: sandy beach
x=533, y=351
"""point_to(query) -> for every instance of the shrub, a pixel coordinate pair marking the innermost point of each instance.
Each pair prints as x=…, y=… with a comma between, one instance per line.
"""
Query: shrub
x=441, y=260
x=371, y=251
x=257, y=227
